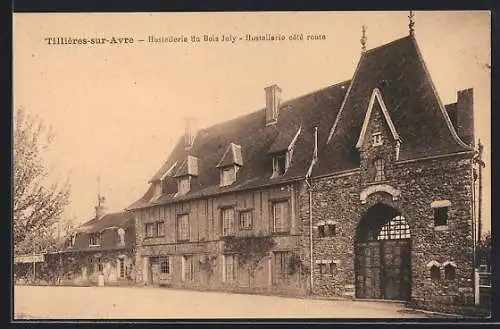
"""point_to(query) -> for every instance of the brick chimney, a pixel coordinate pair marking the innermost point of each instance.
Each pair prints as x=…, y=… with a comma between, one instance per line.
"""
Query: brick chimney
x=272, y=103
x=189, y=132
x=101, y=209
x=465, y=115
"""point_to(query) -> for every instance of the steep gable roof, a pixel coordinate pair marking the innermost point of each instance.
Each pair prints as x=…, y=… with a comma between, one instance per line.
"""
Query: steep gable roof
x=410, y=103
x=256, y=140
x=376, y=96
x=118, y=219
x=231, y=156
x=399, y=72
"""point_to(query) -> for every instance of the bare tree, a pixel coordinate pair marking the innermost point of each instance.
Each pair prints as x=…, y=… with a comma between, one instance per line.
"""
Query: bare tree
x=37, y=205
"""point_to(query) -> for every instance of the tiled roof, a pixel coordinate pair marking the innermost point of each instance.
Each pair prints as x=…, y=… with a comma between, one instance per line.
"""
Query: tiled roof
x=396, y=69
x=256, y=140
x=282, y=141
x=118, y=219
x=399, y=72
x=231, y=156
x=109, y=239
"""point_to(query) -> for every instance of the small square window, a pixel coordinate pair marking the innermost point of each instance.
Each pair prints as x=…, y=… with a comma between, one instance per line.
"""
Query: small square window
x=440, y=216
x=327, y=230
x=330, y=229
x=377, y=139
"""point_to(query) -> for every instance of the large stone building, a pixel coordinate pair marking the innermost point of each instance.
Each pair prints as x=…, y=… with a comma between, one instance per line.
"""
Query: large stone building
x=362, y=189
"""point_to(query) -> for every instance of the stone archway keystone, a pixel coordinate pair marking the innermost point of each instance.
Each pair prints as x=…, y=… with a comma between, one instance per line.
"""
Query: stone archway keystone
x=379, y=188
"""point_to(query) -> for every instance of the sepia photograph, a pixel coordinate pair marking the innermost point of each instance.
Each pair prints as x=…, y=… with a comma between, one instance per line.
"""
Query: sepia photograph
x=251, y=165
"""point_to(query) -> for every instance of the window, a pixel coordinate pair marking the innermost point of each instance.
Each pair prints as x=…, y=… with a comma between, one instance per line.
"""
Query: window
x=246, y=220
x=230, y=267
x=121, y=264
x=183, y=185
x=188, y=268
x=327, y=268
x=281, y=263
x=183, y=227
x=280, y=217
x=377, y=139
x=165, y=265
x=435, y=273
x=227, y=221
x=440, y=216
x=160, y=228
x=100, y=265
x=95, y=240
x=151, y=230
x=279, y=164
x=155, y=229
x=396, y=228
x=449, y=272
x=328, y=229
x=228, y=176
x=379, y=170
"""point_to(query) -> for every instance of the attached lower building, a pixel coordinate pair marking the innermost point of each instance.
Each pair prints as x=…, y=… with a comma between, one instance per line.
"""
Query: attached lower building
x=101, y=249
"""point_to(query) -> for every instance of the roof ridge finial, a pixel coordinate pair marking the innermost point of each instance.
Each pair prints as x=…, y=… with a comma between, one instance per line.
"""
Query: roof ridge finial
x=99, y=190
x=363, y=38
x=411, y=24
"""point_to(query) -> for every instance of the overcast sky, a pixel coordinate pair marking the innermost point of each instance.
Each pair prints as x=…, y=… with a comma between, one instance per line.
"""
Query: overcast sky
x=117, y=110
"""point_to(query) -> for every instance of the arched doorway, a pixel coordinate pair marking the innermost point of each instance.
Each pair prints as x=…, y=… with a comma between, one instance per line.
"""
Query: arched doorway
x=383, y=269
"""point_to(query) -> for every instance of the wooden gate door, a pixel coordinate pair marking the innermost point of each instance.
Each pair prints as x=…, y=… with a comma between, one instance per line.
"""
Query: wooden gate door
x=368, y=274
x=395, y=269
x=383, y=270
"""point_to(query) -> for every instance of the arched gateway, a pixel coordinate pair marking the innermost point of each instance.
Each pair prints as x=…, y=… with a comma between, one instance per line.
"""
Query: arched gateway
x=383, y=269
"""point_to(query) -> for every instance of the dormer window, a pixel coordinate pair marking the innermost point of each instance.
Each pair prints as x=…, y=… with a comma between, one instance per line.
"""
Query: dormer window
x=95, y=240
x=229, y=164
x=377, y=139
x=279, y=164
x=228, y=176
x=282, y=150
x=183, y=185
x=188, y=169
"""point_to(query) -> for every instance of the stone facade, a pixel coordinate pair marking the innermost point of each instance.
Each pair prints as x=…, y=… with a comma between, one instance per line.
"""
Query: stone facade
x=419, y=183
